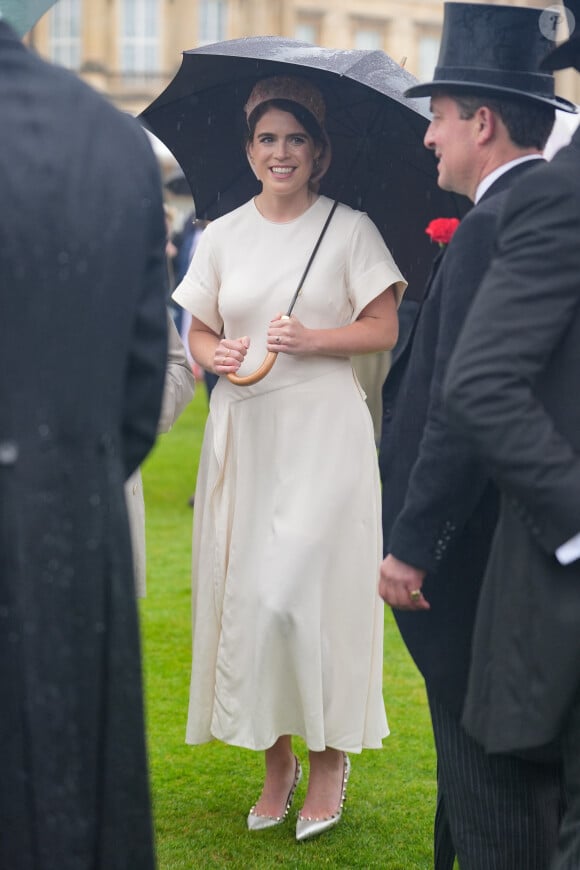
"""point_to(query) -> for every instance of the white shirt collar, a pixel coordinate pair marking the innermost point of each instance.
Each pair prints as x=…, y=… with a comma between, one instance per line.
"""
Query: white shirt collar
x=487, y=182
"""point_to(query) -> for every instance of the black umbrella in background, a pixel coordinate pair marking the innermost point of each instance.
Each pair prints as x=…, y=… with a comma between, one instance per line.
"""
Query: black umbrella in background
x=379, y=164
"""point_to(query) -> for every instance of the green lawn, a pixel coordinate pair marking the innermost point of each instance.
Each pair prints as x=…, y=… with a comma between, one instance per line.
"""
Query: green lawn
x=201, y=795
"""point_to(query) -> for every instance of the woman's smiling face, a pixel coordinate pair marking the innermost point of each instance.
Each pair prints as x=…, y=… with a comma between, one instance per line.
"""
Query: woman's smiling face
x=282, y=153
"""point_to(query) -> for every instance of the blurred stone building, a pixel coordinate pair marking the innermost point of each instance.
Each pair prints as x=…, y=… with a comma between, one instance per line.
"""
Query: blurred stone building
x=129, y=49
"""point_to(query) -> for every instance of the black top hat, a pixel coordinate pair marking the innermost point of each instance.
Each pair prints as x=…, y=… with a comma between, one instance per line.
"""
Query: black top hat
x=495, y=50
x=568, y=53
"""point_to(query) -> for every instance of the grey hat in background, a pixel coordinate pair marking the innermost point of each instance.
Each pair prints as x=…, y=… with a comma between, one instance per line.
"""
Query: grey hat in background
x=23, y=14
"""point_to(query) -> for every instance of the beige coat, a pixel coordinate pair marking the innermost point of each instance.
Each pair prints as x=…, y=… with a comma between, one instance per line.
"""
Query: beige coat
x=177, y=393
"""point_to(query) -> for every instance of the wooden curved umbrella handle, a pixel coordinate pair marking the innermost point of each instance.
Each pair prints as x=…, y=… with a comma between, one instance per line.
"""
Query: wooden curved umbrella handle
x=261, y=372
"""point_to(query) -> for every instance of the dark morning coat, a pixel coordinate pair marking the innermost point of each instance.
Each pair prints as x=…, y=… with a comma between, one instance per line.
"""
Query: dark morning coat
x=439, y=506
x=513, y=388
x=82, y=361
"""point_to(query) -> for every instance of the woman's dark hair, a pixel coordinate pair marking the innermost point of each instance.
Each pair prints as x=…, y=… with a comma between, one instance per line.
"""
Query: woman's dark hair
x=302, y=115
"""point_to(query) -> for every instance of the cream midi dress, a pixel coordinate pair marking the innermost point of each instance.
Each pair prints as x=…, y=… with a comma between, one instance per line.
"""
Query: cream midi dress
x=287, y=620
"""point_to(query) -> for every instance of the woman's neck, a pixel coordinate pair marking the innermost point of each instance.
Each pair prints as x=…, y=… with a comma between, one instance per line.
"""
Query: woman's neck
x=283, y=209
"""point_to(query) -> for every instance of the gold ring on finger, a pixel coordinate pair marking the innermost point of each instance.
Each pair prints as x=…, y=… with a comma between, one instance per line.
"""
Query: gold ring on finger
x=415, y=594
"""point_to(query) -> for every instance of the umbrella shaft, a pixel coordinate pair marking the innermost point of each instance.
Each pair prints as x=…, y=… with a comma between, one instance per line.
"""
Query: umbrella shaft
x=312, y=255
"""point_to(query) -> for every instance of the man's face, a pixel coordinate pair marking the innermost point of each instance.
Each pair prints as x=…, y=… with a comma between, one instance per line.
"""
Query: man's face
x=454, y=142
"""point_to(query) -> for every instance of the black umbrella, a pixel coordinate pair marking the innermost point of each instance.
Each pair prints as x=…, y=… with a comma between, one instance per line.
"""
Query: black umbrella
x=379, y=163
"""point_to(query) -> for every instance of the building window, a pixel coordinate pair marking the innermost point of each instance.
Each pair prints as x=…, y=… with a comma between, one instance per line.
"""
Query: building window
x=212, y=21
x=368, y=35
x=367, y=39
x=307, y=29
x=428, y=54
x=140, y=36
x=65, y=34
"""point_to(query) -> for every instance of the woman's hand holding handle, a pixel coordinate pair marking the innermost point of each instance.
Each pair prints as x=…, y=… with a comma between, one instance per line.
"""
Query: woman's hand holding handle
x=229, y=355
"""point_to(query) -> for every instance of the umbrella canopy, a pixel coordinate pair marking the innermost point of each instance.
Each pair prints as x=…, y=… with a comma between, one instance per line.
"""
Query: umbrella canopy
x=23, y=14
x=379, y=163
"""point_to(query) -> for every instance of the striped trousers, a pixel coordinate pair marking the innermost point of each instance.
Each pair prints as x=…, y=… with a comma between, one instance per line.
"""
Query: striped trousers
x=568, y=854
x=497, y=812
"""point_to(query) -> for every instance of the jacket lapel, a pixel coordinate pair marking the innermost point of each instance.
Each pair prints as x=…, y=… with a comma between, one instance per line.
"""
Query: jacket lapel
x=502, y=183
x=507, y=179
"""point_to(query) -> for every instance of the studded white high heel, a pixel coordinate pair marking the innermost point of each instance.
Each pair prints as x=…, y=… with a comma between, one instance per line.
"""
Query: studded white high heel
x=307, y=827
x=256, y=822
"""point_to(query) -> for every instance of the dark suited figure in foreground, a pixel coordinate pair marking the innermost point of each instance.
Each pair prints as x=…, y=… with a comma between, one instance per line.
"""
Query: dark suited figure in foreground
x=492, y=113
x=512, y=387
x=82, y=360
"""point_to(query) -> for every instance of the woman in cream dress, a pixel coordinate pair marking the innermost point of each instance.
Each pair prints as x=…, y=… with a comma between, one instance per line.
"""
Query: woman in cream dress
x=287, y=621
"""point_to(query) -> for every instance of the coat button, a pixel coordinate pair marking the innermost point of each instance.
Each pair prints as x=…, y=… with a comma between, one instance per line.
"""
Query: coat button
x=8, y=452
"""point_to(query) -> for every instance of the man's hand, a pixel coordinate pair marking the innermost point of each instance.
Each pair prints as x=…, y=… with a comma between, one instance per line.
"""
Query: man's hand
x=400, y=585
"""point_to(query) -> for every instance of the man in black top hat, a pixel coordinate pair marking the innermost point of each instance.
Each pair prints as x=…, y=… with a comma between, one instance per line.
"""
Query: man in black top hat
x=492, y=113
x=512, y=388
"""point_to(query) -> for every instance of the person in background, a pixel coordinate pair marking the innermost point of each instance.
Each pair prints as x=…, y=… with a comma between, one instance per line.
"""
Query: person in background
x=492, y=112
x=177, y=393
x=287, y=634
x=171, y=251
x=83, y=349
x=188, y=242
x=371, y=370
x=181, y=242
x=511, y=390
x=185, y=243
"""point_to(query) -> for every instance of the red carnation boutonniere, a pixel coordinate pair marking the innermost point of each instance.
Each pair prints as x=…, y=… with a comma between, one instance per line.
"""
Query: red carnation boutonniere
x=441, y=230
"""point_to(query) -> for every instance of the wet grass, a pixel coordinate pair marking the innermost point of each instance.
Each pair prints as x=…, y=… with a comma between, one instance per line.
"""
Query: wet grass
x=201, y=795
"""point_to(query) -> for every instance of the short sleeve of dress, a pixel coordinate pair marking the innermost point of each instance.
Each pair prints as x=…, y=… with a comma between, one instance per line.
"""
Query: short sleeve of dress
x=198, y=291
x=371, y=268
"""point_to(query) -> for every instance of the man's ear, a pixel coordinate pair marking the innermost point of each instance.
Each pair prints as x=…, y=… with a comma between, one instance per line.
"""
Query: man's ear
x=486, y=124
